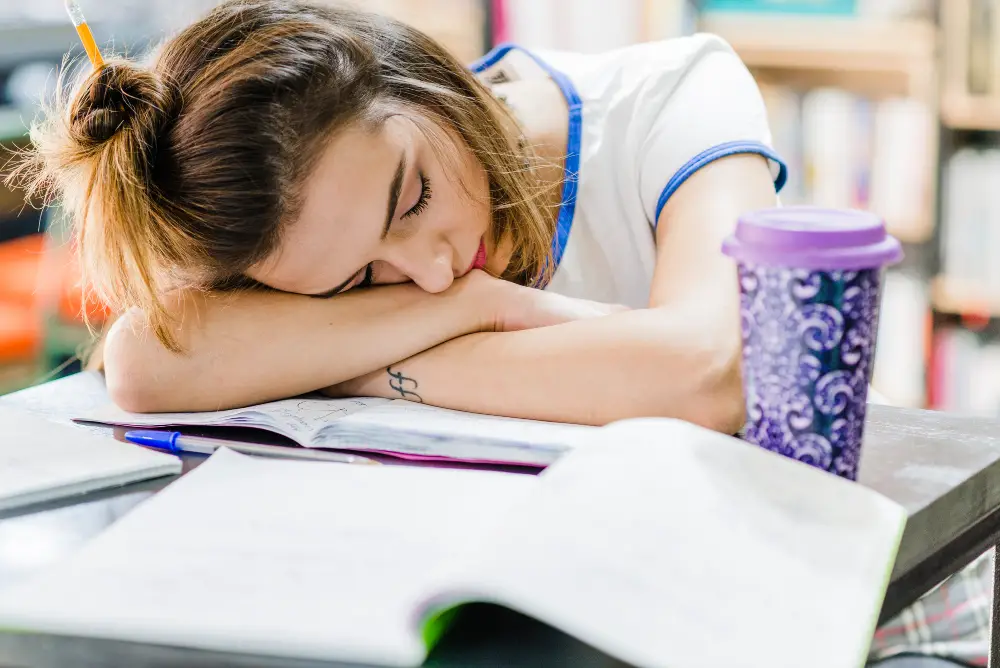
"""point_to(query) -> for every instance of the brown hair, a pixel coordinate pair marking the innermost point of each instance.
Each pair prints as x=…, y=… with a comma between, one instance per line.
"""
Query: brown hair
x=182, y=173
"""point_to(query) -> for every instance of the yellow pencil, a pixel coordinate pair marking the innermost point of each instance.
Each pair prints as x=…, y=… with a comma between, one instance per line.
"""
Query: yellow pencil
x=83, y=30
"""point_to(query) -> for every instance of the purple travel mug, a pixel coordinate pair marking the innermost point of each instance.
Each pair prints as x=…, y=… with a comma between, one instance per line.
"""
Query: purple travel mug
x=810, y=280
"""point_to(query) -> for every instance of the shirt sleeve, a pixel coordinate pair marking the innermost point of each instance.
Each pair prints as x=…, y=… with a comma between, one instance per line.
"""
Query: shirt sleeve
x=710, y=110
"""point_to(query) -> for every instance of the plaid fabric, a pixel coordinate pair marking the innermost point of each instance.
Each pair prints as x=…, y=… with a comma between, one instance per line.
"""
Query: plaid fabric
x=952, y=620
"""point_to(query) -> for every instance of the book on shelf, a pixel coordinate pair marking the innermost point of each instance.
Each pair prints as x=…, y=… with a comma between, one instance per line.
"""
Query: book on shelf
x=459, y=25
x=875, y=9
x=965, y=373
x=847, y=151
x=590, y=26
x=896, y=9
x=902, y=343
x=982, y=44
x=970, y=226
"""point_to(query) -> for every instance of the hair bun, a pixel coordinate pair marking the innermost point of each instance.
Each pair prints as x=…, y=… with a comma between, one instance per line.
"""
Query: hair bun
x=119, y=96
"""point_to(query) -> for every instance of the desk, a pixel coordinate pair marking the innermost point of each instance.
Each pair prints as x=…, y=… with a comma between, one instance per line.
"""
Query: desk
x=945, y=470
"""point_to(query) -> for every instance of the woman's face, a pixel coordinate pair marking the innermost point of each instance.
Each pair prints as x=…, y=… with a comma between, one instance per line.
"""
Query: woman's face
x=381, y=207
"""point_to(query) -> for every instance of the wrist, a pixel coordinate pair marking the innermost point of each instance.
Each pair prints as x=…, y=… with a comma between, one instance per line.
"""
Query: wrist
x=482, y=299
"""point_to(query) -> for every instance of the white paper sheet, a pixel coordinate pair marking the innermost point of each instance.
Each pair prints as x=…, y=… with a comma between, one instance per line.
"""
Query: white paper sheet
x=41, y=460
x=307, y=559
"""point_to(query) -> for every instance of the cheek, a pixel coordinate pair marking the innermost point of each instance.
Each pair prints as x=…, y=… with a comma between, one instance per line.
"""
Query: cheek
x=454, y=210
x=466, y=222
x=465, y=215
x=470, y=205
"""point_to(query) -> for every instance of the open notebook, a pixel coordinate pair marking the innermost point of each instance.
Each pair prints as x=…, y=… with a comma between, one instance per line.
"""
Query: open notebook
x=396, y=427
x=42, y=460
x=660, y=543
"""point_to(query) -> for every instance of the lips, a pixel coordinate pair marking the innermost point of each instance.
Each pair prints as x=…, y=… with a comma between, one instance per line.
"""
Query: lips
x=480, y=261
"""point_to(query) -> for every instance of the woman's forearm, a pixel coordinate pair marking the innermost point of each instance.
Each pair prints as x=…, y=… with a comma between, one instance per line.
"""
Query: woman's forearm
x=652, y=362
x=250, y=347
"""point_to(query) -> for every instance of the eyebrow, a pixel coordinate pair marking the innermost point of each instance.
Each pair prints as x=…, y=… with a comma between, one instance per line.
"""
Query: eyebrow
x=395, y=186
x=394, y=189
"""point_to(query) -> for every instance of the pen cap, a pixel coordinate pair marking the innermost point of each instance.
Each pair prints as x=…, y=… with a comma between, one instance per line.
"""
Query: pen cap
x=161, y=440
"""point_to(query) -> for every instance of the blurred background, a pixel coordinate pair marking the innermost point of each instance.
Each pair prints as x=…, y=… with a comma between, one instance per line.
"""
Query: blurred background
x=887, y=105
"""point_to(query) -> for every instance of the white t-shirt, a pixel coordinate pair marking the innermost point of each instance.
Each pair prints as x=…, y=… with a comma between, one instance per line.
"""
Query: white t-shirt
x=641, y=121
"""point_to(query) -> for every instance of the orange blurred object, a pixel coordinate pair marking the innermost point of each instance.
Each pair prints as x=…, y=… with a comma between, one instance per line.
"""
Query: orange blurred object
x=20, y=261
x=38, y=281
x=20, y=314
x=20, y=332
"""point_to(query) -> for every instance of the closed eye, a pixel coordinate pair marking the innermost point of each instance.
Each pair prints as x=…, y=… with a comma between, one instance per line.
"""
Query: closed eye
x=415, y=210
x=425, y=196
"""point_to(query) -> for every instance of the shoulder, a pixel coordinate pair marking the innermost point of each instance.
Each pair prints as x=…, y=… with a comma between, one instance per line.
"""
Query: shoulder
x=685, y=103
x=644, y=74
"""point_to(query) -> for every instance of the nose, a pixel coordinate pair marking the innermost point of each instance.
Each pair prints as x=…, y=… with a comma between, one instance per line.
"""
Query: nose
x=429, y=267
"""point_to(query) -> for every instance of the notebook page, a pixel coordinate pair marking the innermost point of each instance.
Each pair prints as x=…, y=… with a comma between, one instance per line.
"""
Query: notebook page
x=63, y=399
x=42, y=460
x=668, y=545
x=434, y=431
x=297, y=418
x=305, y=559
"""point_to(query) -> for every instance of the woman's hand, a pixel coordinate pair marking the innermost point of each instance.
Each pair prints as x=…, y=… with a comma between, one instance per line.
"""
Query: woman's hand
x=515, y=307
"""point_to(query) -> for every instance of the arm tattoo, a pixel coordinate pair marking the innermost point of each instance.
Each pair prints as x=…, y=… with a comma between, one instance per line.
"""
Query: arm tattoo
x=399, y=382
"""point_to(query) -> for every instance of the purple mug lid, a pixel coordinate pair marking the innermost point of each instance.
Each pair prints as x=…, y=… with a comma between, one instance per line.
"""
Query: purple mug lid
x=813, y=238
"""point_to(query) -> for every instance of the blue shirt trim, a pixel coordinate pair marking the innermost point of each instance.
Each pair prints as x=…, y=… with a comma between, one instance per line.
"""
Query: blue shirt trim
x=572, y=167
x=713, y=154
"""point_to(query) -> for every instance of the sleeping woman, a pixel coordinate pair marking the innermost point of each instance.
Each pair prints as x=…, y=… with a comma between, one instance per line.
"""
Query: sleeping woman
x=291, y=198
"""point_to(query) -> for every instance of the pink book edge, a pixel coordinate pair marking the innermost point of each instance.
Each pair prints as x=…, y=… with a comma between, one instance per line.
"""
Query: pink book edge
x=498, y=16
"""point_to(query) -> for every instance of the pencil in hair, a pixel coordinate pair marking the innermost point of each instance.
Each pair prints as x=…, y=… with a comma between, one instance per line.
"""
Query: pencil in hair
x=83, y=30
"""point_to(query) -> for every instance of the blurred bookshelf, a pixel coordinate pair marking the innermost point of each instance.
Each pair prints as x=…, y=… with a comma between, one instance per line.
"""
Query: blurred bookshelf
x=866, y=55
x=962, y=297
x=966, y=112
x=965, y=296
x=870, y=81
x=970, y=98
x=895, y=107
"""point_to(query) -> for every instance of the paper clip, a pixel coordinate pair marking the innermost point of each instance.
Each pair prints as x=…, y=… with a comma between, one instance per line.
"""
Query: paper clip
x=83, y=30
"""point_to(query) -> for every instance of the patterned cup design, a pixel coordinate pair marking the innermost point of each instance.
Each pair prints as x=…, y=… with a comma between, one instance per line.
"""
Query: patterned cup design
x=808, y=345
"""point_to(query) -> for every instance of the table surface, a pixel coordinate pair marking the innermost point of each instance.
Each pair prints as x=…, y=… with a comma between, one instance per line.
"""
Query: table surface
x=944, y=469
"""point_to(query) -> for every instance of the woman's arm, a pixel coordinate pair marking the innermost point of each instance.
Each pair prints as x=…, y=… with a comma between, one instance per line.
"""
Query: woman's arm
x=250, y=347
x=678, y=358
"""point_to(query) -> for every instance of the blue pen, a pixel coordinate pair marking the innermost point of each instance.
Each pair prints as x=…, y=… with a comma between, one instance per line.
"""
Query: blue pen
x=177, y=443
